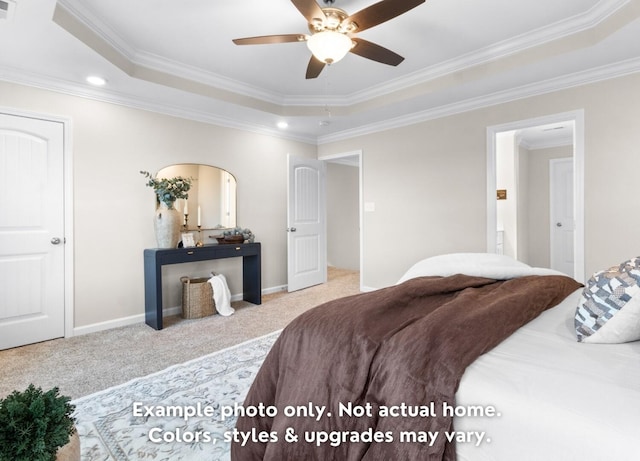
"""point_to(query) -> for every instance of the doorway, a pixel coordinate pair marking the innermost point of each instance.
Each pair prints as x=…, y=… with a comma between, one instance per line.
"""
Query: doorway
x=344, y=211
x=525, y=192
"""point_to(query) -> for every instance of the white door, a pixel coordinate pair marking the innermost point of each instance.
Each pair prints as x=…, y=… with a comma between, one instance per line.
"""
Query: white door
x=31, y=230
x=306, y=224
x=562, y=215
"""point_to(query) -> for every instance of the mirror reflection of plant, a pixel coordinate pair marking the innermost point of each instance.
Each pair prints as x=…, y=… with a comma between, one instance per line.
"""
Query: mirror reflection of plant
x=34, y=424
x=168, y=190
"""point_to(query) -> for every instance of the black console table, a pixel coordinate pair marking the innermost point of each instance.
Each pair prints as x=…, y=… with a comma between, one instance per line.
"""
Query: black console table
x=155, y=258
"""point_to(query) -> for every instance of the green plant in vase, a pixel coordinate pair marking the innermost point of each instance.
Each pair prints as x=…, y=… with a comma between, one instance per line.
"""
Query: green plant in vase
x=168, y=190
x=168, y=219
x=34, y=424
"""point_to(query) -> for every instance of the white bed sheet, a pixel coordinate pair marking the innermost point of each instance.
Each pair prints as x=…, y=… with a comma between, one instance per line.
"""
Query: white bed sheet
x=558, y=399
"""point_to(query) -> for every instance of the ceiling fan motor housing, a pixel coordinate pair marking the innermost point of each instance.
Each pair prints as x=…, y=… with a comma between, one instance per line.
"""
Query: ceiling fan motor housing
x=334, y=19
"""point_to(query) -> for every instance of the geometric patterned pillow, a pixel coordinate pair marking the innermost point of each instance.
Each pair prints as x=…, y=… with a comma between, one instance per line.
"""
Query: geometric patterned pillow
x=609, y=309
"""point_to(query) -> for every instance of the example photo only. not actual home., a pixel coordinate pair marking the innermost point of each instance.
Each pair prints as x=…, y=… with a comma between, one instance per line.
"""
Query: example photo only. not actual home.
x=422, y=210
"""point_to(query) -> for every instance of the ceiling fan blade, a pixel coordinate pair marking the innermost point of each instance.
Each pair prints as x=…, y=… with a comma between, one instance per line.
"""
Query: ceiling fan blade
x=375, y=52
x=314, y=68
x=309, y=9
x=268, y=39
x=381, y=12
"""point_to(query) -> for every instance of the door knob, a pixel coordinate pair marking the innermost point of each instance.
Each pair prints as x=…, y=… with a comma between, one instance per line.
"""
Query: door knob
x=558, y=224
x=56, y=240
x=291, y=229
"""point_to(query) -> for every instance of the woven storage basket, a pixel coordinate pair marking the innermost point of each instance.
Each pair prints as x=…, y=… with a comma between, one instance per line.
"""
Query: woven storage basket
x=197, y=298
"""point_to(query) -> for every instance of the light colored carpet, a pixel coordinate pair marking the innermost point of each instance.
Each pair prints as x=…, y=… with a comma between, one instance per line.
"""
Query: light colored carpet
x=86, y=364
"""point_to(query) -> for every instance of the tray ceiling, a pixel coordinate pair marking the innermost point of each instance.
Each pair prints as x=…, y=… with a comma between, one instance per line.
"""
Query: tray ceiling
x=178, y=58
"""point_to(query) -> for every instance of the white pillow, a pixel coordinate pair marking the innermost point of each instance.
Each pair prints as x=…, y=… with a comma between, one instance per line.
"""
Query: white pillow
x=609, y=308
x=489, y=265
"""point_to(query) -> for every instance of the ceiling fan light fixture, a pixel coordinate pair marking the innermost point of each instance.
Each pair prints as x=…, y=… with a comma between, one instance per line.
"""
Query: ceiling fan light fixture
x=329, y=46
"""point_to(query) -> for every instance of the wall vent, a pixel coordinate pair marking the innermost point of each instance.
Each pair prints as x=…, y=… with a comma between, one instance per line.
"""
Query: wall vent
x=6, y=9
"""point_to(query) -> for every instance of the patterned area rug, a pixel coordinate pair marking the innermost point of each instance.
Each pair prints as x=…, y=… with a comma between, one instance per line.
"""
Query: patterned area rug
x=174, y=414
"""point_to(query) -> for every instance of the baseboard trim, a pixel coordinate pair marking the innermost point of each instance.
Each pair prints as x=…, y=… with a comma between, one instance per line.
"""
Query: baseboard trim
x=110, y=324
x=272, y=290
x=132, y=320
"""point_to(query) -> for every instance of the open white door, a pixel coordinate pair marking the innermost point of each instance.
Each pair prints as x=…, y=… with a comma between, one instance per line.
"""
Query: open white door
x=31, y=230
x=562, y=215
x=306, y=223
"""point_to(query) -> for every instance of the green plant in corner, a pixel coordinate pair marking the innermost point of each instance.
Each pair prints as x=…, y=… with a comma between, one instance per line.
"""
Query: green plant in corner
x=34, y=424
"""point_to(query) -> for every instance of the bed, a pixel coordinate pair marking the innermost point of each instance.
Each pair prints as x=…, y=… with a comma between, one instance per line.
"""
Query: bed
x=470, y=356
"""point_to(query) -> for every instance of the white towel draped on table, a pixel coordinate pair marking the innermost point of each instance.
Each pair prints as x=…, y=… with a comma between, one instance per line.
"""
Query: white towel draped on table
x=221, y=294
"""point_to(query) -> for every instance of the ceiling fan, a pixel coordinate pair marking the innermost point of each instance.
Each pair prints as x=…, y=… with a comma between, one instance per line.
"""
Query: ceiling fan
x=332, y=32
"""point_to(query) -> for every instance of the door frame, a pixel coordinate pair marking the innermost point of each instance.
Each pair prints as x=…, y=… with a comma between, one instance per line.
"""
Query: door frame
x=356, y=153
x=577, y=117
x=68, y=207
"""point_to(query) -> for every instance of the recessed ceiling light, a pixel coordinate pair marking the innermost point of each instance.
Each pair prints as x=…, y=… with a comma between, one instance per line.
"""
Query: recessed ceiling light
x=95, y=80
x=282, y=125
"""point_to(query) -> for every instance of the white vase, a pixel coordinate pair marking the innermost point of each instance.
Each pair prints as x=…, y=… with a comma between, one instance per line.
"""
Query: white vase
x=167, y=226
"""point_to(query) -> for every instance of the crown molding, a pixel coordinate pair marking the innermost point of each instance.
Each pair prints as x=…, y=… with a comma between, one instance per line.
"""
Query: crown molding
x=592, y=18
x=87, y=18
x=141, y=58
x=21, y=77
x=207, y=78
x=601, y=11
x=548, y=86
x=535, y=89
x=589, y=19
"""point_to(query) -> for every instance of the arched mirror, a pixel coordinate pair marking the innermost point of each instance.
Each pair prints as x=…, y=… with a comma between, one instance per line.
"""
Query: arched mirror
x=212, y=198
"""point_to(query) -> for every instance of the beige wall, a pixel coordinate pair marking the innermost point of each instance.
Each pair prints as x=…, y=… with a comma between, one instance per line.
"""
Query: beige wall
x=427, y=181
x=343, y=216
x=427, y=184
x=538, y=208
x=113, y=209
x=445, y=162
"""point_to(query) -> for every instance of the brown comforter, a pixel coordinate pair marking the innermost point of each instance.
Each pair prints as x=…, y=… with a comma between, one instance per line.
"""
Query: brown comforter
x=348, y=377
